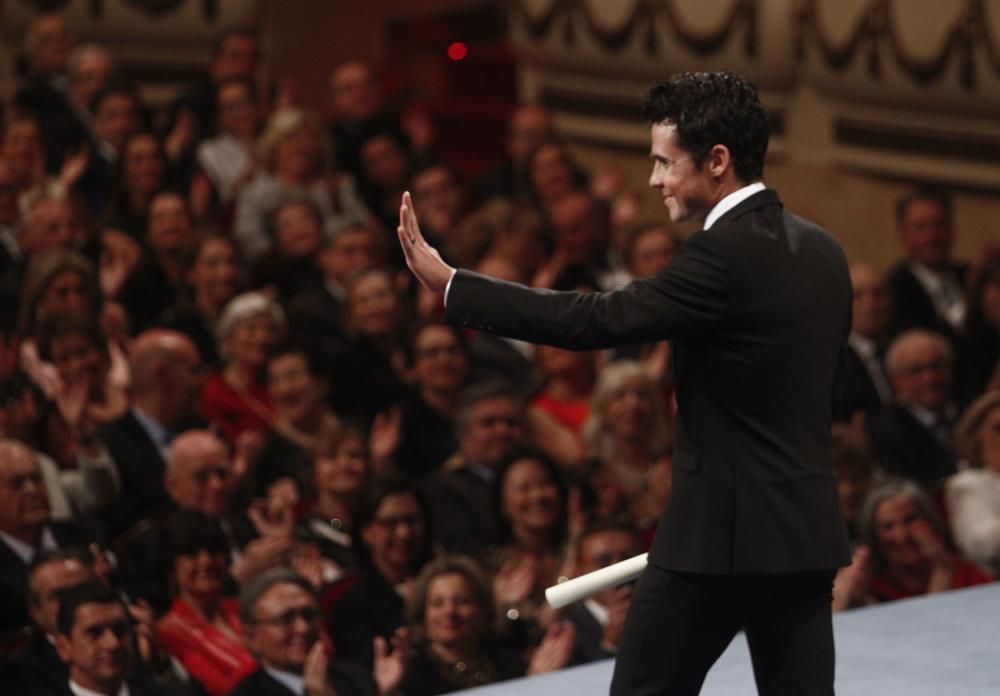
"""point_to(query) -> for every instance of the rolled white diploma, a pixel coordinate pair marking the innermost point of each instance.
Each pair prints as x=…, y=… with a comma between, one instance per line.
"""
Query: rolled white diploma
x=597, y=581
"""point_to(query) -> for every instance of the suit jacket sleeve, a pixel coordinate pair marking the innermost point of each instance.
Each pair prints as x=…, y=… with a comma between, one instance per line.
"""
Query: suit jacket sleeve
x=687, y=298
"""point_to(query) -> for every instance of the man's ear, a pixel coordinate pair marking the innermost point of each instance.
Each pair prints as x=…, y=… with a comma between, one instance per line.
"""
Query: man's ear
x=719, y=159
x=63, y=648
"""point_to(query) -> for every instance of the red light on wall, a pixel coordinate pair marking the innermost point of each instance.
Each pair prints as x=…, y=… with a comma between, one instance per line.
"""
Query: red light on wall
x=458, y=51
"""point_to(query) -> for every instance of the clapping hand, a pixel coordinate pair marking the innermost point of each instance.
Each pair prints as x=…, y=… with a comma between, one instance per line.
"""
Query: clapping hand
x=515, y=581
x=555, y=650
x=390, y=664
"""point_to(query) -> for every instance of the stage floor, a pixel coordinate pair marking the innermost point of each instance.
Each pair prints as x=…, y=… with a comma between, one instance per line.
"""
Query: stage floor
x=942, y=645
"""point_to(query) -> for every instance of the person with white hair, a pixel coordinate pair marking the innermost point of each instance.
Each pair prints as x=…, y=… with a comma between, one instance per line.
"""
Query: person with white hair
x=913, y=437
x=293, y=154
x=236, y=399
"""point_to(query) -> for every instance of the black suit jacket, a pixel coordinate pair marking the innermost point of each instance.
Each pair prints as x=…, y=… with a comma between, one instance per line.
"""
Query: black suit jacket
x=347, y=680
x=141, y=467
x=855, y=389
x=14, y=576
x=904, y=447
x=758, y=309
x=912, y=307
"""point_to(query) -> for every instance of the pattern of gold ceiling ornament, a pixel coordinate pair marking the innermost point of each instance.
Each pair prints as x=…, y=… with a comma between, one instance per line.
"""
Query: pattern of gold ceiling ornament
x=966, y=40
x=613, y=29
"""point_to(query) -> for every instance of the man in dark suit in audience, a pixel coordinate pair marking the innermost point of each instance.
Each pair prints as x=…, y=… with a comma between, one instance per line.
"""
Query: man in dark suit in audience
x=863, y=386
x=757, y=305
x=926, y=288
x=26, y=530
x=599, y=619
x=281, y=620
x=913, y=437
x=166, y=377
x=490, y=422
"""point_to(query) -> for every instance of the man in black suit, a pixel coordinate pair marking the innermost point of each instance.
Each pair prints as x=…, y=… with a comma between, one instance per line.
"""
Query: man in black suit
x=913, y=436
x=757, y=306
x=599, y=620
x=97, y=642
x=26, y=529
x=926, y=287
x=166, y=377
x=281, y=622
x=862, y=384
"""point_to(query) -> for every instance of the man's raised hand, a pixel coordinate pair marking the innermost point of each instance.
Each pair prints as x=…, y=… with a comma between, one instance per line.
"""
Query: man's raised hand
x=421, y=257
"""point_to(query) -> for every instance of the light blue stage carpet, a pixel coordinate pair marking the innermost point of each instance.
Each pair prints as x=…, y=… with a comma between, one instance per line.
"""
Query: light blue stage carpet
x=947, y=644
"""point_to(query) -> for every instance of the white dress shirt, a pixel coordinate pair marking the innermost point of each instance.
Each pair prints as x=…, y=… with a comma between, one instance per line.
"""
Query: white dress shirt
x=81, y=691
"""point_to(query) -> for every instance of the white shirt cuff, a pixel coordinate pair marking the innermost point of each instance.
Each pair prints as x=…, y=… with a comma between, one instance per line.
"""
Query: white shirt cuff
x=447, y=288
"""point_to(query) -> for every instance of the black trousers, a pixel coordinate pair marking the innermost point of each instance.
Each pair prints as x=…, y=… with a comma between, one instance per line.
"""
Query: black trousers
x=678, y=625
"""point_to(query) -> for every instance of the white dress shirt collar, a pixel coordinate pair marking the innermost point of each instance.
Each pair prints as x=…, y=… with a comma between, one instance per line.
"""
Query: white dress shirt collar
x=26, y=552
x=291, y=681
x=731, y=201
x=81, y=691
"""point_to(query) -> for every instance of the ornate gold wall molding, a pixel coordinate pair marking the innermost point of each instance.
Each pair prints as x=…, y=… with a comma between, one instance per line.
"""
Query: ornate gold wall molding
x=877, y=32
x=642, y=23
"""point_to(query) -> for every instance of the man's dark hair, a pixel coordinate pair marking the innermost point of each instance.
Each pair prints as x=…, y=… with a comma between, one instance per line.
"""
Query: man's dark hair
x=708, y=109
x=315, y=361
x=924, y=193
x=58, y=326
x=230, y=32
x=116, y=87
x=75, y=597
x=47, y=556
x=481, y=391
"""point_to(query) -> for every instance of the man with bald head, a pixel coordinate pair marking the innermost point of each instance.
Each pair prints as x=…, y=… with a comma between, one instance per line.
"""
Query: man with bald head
x=48, y=225
x=26, y=529
x=862, y=385
x=166, y=377
x=912, y=438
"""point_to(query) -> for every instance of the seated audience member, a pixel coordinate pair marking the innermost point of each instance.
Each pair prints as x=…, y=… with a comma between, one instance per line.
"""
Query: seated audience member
x=385, y=169
x=529, y=126
x=341, y=475
x=394, y=543
x=552, y=174
x=569, y=378
x=451, y=619
x=212, y=274
x=98, y=642
x=166, y=378
x=628, y=437
x=489, y=424
x=48, y=225
x=926, y=287
x=912, y=438
x=440, y=366
x=26, y=529
x=157, y=282
x=977, y=362
x=56, y=282
x=281, y=620
x=531, y=503
x=291, y=266
x=598, y=620
x=236, y=399
x=116, y=114
x=227, y=158
x=863, y=386
x=36, y=666
x=367, y=368
x=904, y=552
x=199, y=478
x=292, y=154
x=438, y=200
x=317, y=314
x=502, y=230
x=855, y=470
x=298, y=387
x=649, y=248
x=580, y=233
x=21, y=147
x=142, y=172
x=202, y=628
x=973, y=495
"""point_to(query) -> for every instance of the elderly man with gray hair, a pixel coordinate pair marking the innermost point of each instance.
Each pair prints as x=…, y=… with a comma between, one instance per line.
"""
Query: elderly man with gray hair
x=912, y=437
x=281, y=621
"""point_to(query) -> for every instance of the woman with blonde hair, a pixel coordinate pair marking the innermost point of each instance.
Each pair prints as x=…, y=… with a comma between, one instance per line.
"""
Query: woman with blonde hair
x=294, y=154
x=973, y=495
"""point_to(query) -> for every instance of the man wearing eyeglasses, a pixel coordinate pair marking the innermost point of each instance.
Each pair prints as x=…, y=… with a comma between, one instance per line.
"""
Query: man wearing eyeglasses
x=281, y=621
